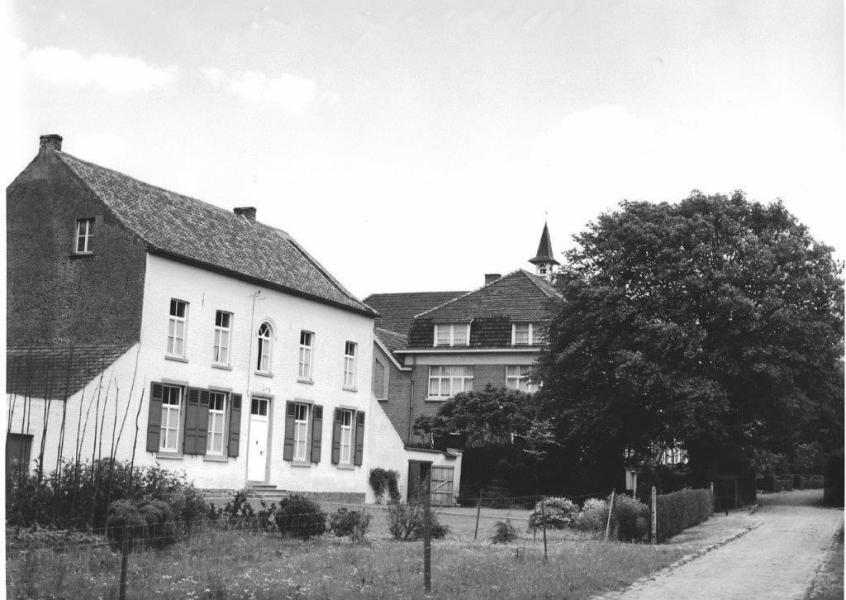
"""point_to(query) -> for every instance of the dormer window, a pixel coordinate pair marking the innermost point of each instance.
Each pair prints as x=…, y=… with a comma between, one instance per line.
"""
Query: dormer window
x=452, y=334
x=84, y=236
x=524, y=334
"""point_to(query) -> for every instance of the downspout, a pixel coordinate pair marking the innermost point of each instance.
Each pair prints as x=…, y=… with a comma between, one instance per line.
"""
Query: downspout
x=410, y=402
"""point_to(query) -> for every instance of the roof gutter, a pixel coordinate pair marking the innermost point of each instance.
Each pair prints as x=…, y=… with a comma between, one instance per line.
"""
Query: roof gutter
x=521, y=350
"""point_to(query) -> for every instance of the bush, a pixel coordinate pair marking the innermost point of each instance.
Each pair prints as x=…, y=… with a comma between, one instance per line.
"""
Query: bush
x=555, y=513
x=405, y=521
x=126, y=527
x=630, y=518
x=300, y=517
x=593, y=517
x=383, y=482
x=161, y=529
x=350, y=523
x=680, y=510
x=503, y=532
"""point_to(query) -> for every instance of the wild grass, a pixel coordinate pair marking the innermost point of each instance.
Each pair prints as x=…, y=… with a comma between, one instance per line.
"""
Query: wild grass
x=238, y=565
x=828, y=584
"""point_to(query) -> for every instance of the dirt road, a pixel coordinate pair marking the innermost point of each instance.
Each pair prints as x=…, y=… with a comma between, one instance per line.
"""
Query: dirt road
x=776, y=560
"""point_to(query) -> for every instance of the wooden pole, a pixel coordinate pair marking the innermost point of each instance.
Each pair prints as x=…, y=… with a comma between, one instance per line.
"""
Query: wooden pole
x=123, y=564
x=478, y=513
x=427, y=533
x=610, y=510
x=654, y=514
x=543, y=522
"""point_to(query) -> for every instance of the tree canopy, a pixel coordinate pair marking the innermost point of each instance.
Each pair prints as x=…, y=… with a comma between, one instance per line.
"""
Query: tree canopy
x=714, y=323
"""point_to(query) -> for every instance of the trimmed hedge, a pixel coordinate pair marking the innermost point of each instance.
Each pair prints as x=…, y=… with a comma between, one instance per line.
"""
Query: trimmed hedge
x=680, y=510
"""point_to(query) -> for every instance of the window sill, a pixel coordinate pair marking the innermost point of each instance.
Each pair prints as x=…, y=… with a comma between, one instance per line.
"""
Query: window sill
x=349, y=389
x=221, y=367
x=169, y=456
x=346, y=467
x=301, y=463
x=437, y=399
x=80, y=255
x=382, y=399
x=264, y=374
x=175, y=358
x=306, y=381
x=215, y=458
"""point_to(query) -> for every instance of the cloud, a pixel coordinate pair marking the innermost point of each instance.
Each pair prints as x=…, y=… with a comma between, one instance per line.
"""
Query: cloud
x=286, y=91
x=112, y=73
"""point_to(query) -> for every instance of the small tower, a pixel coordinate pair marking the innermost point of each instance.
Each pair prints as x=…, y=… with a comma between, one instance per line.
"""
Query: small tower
x=544, y=262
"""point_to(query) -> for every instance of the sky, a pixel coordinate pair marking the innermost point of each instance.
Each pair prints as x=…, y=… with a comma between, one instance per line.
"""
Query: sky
x=419, y=145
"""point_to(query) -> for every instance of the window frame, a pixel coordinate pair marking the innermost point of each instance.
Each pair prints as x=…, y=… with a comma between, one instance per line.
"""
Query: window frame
x=523, y=384
x=264, y=342
x=452, y=327
x=531, y=334
x=173, y=321
x=305, y=354
x=166, y=408
x=212, y=413
x=348, y=431
x=440, y=376
x=87, y=237
x=306, y=427
x=219, y=330
x=350, y=365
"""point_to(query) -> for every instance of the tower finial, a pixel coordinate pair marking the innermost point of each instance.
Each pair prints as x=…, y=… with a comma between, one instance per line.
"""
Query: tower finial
x=544, y=261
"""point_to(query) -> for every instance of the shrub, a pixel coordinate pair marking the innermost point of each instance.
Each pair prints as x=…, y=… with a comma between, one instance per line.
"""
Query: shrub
x=300, y=517
x=555, y=513
x=436, y=530
x=405, y=521
x=680, y=510
x=126, y=527
x=161, y=529
x=630, y=518
x=503, y=532
x=266, y=516
x=383, y=482
x=350, y=523
x=593, y=517
x=238, y=512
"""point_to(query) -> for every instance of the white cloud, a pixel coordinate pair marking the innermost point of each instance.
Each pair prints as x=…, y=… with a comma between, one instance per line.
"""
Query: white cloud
x=287, y=91
x=112, y=73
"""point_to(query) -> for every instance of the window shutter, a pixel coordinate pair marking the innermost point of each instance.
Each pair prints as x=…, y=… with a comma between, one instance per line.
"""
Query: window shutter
x=234, y=426
x=336, y=437
x=288, y=447
x=192, y=407
x=154, y=417
x=316, y=432
x=201, y=425
x=359, y=438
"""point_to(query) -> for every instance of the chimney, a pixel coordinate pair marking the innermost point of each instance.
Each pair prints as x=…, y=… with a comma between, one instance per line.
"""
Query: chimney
x=491, y=277
x=53, y=141
x=246, y=211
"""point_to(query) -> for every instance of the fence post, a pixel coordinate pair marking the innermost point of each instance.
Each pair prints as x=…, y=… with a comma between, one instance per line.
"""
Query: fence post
x=713, y=498
x=654, y=514
x=123, y=568
x=427, y=533
x=478, y=512
x=543, y=521
x=610, y=510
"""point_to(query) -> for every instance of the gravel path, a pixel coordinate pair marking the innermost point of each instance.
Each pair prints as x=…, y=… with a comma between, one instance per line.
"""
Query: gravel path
x=775, y=560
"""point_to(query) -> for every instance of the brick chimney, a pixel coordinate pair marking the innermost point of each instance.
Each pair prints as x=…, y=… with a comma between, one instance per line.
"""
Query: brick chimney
x=52, y=141
x=491, y=277
x=246, y=211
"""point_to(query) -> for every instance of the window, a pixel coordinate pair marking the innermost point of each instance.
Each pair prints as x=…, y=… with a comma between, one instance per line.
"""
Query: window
x=517, y=378
x=217, y=415
x=380, y=380
x=524, y=334
x=265, y=332
x=456, y=334
x=448, y=381
x=170, y=424
x=176, y=328
x=304, y=362
x=84, y=235
x=346, y=422
x=349, y=365
x=301, y=432
x=222, y=328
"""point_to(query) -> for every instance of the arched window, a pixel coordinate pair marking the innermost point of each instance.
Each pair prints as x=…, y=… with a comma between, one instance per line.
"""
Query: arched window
x=265, y=332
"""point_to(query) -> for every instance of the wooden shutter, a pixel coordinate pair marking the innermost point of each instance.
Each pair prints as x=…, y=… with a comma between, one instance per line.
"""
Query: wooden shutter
x=154, y=417
x=288, y=447
x=316, y=432
x=201, y=424
x=336, y=437
x=359, y=438
x=192, y=407
x=234, y=426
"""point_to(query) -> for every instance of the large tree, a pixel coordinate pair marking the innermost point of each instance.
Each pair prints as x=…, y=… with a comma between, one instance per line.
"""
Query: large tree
x=714, y=323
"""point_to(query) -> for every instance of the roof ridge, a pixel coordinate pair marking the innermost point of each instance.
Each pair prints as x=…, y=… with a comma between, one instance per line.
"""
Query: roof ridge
x=467, y=294
x=323, y=270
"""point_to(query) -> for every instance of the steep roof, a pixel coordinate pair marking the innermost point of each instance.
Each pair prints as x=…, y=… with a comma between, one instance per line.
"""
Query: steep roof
x=544, y=253
x=393, y=341
x=396, y=311
x=187, y=229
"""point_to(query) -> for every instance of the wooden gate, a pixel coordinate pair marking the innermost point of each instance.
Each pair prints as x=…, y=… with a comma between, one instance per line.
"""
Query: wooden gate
x=442, y=486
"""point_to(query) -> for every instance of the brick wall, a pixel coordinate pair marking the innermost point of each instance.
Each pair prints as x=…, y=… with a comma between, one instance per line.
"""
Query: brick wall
x=399, y=389
x=54, y=296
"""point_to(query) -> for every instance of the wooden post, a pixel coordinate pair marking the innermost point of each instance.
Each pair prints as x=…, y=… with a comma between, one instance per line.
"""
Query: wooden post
x=543, y=522
x=713, y=498
x=427, y=533
x=610, y=510
x=478, y=513
x=654, y=515
x=123, y=564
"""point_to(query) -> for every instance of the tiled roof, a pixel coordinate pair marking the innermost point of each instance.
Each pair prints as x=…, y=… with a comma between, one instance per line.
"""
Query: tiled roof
x=518, y=296
x=188, y=229
x=396, y=311
x=393, y=341
x=57, y=371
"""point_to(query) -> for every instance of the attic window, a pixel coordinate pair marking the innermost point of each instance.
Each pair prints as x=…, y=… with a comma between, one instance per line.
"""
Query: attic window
x=84, y=236
x=523, y=334
x=452, y=334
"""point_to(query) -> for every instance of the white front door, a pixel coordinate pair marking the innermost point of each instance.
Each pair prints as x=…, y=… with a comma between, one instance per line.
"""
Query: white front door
x=257, y=447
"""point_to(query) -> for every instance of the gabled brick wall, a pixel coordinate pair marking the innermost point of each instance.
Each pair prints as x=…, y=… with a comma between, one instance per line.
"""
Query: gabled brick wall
x=399, y=390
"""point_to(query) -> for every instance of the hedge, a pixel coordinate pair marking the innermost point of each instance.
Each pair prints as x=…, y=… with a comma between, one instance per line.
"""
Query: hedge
x=680, y=510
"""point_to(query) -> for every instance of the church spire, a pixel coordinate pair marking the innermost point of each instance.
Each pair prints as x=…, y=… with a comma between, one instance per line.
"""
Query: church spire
x=544, y=261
